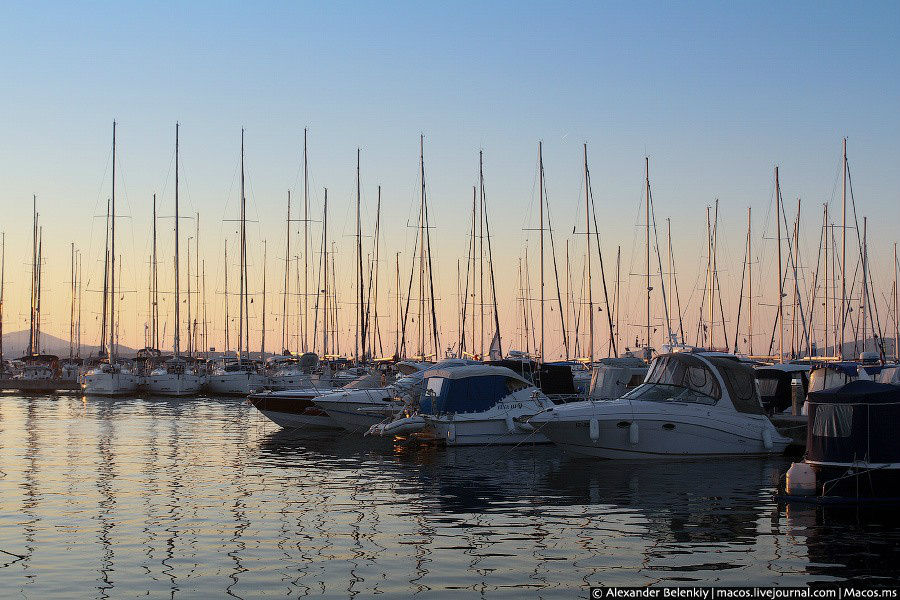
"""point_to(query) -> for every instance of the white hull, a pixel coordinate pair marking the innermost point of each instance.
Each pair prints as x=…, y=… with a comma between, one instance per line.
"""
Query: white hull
x=487, y=432
x=357, y=416
x=300, y=421
x=169, y=384
x=288, y=382
x=663, y=436
x=109, y=384
x=239, y=383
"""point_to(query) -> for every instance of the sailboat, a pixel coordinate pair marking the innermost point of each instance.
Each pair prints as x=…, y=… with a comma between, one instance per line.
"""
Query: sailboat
x=110, y=378
x=177, y=377
x=241, y=376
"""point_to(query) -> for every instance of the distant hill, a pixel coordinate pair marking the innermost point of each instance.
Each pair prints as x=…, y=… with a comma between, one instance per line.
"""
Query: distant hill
x=15, y=344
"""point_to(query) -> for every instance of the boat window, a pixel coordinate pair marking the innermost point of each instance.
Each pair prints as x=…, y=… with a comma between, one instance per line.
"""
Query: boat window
x=466, y=395
x=514, y=385
x=685, y=372
x=833, y=420
x=768, y=386
x=636, y=380
x=435, y=384
x=741, y=385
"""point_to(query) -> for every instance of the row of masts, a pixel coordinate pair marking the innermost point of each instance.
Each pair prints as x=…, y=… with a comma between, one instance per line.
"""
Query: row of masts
x=479, y=291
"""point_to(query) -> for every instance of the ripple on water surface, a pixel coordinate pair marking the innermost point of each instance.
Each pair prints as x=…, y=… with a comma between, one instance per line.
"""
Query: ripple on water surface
x=206, y=498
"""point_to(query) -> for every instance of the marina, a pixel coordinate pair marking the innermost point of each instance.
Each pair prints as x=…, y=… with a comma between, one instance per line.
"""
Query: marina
x=533, y=300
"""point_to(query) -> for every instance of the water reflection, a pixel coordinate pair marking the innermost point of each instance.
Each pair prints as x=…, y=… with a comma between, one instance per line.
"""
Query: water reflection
x=204, y=498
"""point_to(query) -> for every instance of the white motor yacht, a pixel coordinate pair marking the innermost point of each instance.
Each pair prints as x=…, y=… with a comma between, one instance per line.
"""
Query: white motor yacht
x=690, y=405
x=472, y=405
x=175, y=378
x=109, y=380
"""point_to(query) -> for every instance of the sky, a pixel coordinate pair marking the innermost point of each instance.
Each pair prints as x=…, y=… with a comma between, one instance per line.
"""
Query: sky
x=715, y=94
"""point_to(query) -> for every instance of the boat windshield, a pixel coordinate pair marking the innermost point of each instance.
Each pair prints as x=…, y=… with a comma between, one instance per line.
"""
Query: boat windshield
x=678, y=378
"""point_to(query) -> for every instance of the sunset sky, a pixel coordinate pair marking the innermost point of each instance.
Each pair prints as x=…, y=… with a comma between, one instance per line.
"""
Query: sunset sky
x=716, y=95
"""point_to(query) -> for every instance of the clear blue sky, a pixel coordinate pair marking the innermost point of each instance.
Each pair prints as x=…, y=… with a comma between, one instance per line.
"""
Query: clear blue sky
x=715, y=93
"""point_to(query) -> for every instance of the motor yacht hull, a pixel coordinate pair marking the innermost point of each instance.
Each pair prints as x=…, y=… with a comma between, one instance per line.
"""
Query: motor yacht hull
x=294, y=411
x=482, y=432
x=357, y=411
x=638, y=434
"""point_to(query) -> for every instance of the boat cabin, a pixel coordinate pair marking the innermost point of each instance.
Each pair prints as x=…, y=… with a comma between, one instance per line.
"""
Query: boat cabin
x=468, y=389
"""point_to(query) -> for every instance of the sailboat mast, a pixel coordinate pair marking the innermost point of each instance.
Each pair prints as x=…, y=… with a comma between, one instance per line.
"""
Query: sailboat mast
x=154, y=322
x=865, y=282
x=176, y=349
x=780, y=282
x=749, y=289
x=112, y=253
x=287, y=276
x=827, y=284
x=262, y=341
x=587, y=255
x=3, y=282
x=377, y=330
x=422, y=250
x=189, y=336
x=72, y=303
x=305, y=296
x=647, y=243
x=227, y=345
x=325, y=278
x=843, y=244
x=360, y=340
x=240, y=347
x=397, y=333
x=33, y=274
x=541, y=196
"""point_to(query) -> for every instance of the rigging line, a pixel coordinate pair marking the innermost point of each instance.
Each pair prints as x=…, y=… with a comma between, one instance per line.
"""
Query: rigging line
x=737, y=321
x=612, y=335
x=811, y=296
x=881, y=349
x=562, y=317
x=412, y=269
x=659, y=261
x=491, y=269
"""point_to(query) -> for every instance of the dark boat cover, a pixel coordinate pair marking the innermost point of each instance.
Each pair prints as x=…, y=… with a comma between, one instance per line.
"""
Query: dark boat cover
x=856, y=422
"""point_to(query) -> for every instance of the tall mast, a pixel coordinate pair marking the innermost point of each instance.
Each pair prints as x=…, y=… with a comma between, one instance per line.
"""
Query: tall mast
x=227, y=326
x=244, y=262
x=33, y=274
x=587, y=255
x=843, y=244
x=262, y=341
x=71, y=305
x=618, y=291
x=177, y=340
x=305, y=296
x=474, y=241
x=112, y=254
x=78, y=328
x=709, y=282
x=240, y=347
x=481, y=252
x=154, y=317
x=360, y=340
x=287, y=276
x=827, y=284
x=795, y=333
x=647, y=244
x=671, y=268
x=780, y=282
x=541, y=195
x=749, y=289
x=325, y=261
x=422, y=249
x=37, y=319
x=397, y=333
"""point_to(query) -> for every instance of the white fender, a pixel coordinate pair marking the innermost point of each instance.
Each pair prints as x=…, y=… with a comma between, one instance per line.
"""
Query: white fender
x=406, y=425
x=768, y=444
x=595, y=430
x=633, y=434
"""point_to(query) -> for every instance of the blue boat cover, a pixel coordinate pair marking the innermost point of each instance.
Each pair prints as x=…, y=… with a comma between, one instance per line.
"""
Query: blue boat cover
x=467, y=395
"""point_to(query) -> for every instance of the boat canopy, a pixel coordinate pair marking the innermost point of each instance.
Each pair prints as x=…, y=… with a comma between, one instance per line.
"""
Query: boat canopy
x=741, y=384
x=775, y=381
x=855, y=423
x=612, y=377
x=469, y=389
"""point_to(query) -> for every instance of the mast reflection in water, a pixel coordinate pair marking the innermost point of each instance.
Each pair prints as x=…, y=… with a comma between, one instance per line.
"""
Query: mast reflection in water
x=205, y=498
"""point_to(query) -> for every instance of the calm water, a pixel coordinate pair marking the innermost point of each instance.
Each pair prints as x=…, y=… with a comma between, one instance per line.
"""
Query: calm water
x=206, y=498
